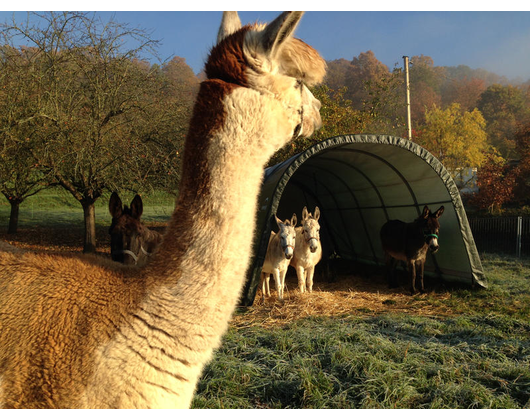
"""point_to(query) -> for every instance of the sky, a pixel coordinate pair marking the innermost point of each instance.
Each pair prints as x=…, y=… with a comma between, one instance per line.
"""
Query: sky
x=462, y=34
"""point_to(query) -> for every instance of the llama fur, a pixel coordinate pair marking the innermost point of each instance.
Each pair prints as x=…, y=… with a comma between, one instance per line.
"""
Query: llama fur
x=86, y=332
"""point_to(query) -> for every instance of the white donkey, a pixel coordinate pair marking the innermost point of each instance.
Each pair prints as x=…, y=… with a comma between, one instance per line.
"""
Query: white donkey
x=307, y=251
x=279, y=252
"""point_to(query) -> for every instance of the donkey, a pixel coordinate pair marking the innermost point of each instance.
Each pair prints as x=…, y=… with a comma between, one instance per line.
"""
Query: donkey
x=410, y=242
x=308, y=250
x=88, y=332
x=279, y=252
x=131, y=242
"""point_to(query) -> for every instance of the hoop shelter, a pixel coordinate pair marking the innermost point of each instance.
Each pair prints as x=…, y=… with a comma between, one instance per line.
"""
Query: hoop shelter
x=359, y=182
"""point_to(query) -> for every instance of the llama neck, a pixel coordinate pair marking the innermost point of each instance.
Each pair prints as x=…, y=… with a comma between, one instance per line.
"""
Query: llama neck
x=204, y=257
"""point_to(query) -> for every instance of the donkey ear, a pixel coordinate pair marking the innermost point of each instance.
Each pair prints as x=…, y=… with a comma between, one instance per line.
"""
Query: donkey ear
x=294, y=220
x=278, y=31
x=426, y=212
x=278, y=221
x=439, y=212
x=137, y=207
x=317, y=213
x=115, y=206
x=305, y=214
x=230, y=23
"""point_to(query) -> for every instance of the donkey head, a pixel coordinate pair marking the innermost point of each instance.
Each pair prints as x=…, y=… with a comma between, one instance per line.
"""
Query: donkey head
x=431, y=227
x=287, y=235
x=311, y=228
x=126, y=230
x=267, y=59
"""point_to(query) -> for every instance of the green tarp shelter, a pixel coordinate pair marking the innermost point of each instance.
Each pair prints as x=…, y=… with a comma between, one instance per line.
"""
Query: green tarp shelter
x=359, y=182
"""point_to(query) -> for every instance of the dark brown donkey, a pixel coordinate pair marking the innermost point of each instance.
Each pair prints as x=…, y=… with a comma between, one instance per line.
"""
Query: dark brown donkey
x=131, y=242
x=410, y=242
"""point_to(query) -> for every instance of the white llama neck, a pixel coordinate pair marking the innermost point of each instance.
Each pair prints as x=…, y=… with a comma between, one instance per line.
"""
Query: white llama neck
x=194, y=281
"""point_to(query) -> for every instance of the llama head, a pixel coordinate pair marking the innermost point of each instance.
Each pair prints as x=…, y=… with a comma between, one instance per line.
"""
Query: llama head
x=267, y=59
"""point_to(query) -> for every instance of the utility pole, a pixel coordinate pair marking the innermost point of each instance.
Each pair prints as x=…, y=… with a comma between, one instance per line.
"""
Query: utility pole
x=407, y=84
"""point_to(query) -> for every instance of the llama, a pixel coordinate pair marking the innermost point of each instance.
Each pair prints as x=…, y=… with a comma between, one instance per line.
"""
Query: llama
x=88, y=332
x=279, y=252
x=131, y=242
x=308, y=250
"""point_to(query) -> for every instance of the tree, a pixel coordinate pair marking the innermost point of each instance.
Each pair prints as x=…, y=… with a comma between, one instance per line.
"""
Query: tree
x=98, y=98
x=496, y=182
x=20, y=174
x=425, y=82
x=503, y=107
x=465, y=92
x=365, y=68
x=522, y=145
x=458, y=139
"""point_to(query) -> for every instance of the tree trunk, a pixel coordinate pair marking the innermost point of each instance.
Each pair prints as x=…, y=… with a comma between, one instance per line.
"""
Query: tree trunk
x=13, y=217
x=89, y=211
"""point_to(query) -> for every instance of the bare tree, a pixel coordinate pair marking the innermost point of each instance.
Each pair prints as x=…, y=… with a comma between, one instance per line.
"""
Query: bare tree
x=98, y=103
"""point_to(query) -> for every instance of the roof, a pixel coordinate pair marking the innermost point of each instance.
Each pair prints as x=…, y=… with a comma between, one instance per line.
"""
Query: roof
x=359, y=182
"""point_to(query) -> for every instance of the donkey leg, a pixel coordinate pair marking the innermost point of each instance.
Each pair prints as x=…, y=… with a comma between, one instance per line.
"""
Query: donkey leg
x=310, y=272
x=391, y=264
x=282, y=280
x=278, y=281
x=419, y=275
x=300, y=273
x=265, y=291
x=412, y=274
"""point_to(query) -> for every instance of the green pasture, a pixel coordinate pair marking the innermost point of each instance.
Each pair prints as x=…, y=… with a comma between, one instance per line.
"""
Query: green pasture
x=479, y=358
x=57, y=208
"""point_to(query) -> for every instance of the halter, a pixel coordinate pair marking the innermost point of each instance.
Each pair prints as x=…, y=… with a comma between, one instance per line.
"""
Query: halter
x=132, y=254
x=428, y=235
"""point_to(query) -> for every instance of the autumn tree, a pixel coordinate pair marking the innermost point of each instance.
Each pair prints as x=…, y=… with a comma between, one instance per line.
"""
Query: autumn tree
x=425, y=82
x=503, y=107
x=458, y=139
x=365, y=68
x=496, y=181
x=465, y=92
x=522, y=145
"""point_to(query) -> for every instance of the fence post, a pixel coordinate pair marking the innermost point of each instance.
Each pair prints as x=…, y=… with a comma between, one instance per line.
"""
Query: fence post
x=519, y=235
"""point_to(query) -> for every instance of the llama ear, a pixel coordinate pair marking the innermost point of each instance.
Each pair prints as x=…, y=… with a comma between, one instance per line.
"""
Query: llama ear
x=317, y=213
x=115, y=206
x=230, y=23
x=294, y=220
x=137, y=207
x=278, y=31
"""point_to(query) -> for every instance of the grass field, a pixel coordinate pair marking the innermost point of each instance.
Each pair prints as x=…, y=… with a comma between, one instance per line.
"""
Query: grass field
x=352, y=343
x=475, y=353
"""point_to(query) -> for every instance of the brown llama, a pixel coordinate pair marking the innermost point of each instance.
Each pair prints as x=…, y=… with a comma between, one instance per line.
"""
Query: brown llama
x=131, y=242
x=87, y=332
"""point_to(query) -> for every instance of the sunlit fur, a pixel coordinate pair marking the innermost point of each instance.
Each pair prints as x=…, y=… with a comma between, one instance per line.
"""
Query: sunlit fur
x=86, y=332
x=279, y=252
x=308, y=250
